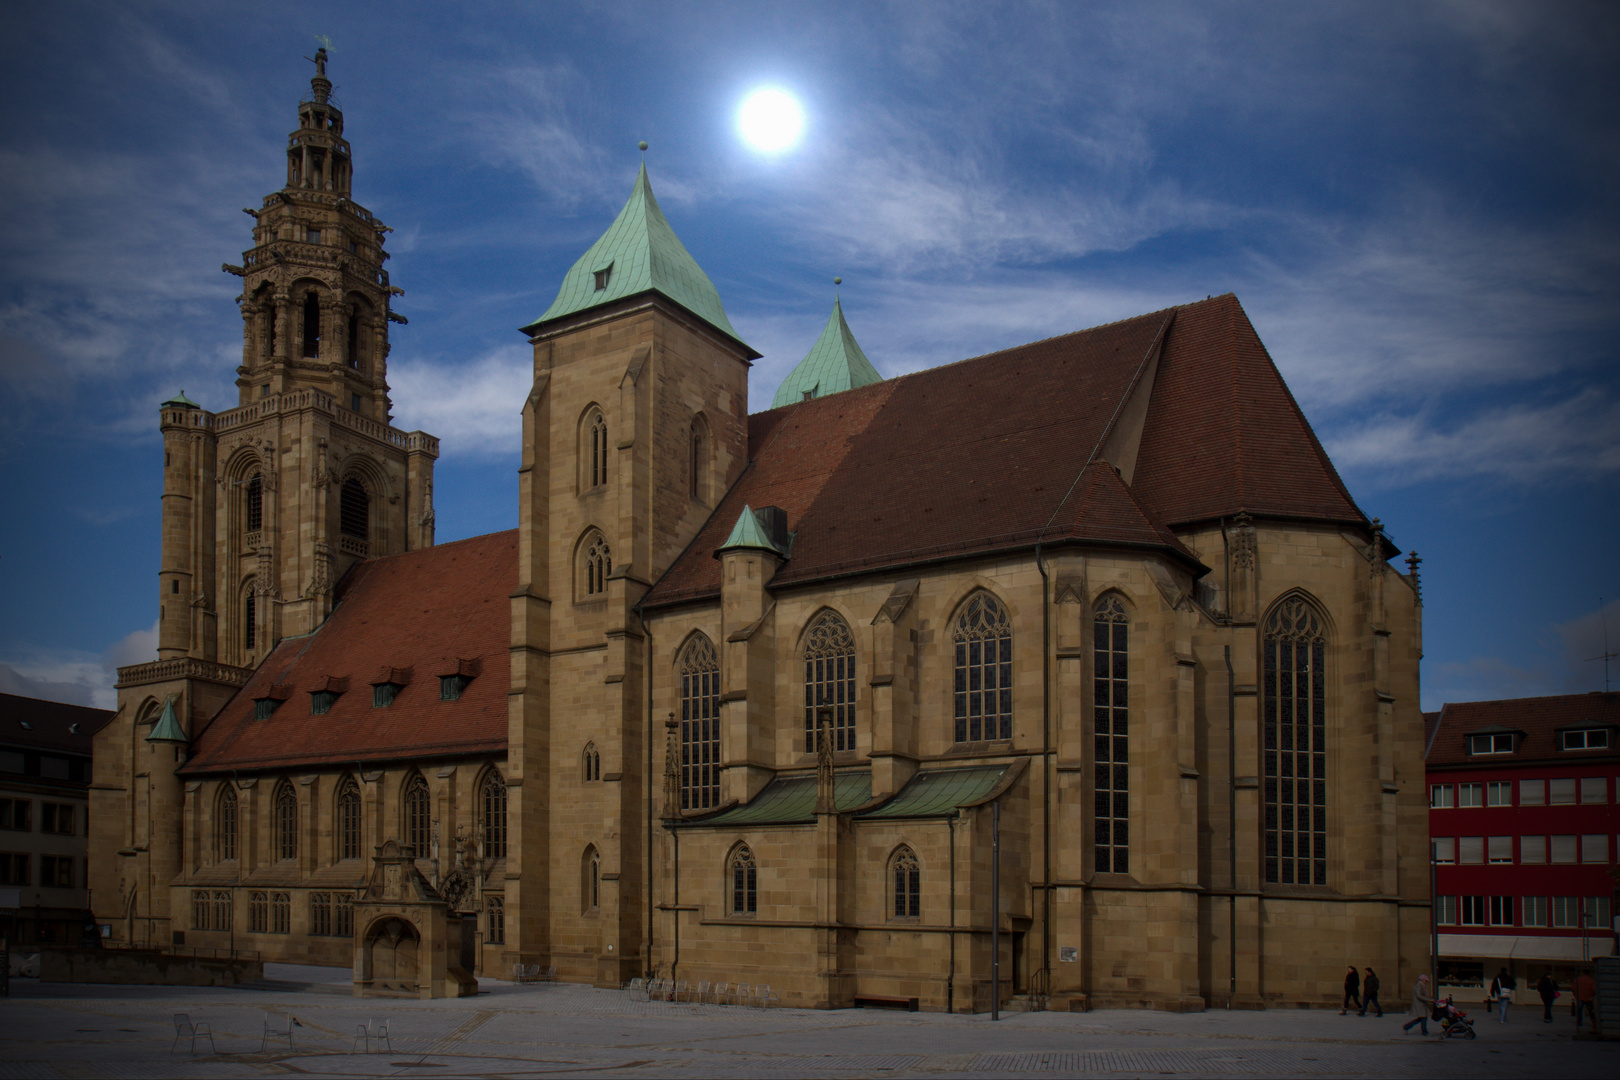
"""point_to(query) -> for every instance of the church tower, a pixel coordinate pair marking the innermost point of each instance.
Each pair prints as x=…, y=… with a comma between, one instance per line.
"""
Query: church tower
x=267, y=504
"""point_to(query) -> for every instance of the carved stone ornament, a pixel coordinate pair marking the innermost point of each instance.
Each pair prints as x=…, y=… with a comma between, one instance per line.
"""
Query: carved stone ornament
x=1242, y=539
x=457, y=890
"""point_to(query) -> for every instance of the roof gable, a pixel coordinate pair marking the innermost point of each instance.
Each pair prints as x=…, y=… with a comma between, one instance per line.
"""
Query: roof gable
x=1539, y=719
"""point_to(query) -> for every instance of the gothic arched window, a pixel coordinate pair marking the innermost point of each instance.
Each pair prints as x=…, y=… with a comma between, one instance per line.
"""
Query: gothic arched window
x=593, y=450
x=354, y=509
x=418, y=811
x=250, y=611
x=1111, y=838
x=698, y=456
x=829, y=681
x=312, y=325
x=596, y=563
x=354, y=337
x=253, y=503
x=906, y=873
x=592, y=762
x=349, y=820
x=286, y=822
x=983, y=639
x=1294, y=696
x=225, y=824
x=700, y=725
x=590, y=880
x=744, y=881
x=494, y=816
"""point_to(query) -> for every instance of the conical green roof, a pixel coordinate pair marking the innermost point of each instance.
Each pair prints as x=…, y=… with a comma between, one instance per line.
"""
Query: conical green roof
x=182, y=401
x=835, y=362
x=747, y=533
x=167, y=729
x=640, y=253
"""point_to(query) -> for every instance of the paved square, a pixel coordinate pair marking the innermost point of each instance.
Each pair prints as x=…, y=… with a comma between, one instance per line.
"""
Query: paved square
x=62, y=1030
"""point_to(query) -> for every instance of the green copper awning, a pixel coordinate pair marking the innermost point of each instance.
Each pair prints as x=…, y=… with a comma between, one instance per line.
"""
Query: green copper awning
x=939, y=792
x=792, y=800
x=931, y=793
x=639, y=253
x=835, y=362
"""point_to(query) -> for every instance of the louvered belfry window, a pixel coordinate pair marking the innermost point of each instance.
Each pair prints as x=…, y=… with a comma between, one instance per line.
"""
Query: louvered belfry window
x=700, y=725
x=354, y=509
x=983, y=640
x=255, y=502
x=1111, y=732
x=1295, y=722
x=829, y=681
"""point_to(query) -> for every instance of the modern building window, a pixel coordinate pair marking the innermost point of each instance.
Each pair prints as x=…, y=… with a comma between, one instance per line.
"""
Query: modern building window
x=1495, y=743
x=349, y=820
x=1445, y=849
x=494, y=816
x=1473, y=911
x=1499, y=793
x=1501, y=910
x=1532, y=792
x=225, y=823
x=1534, y=910
x=700, y=725
x=56, y=871
x=451, y=686
x=1445, y=910
x=1470, y=850
x=592, y=762
x=1499, y=849
x=1295, y=721
x=495, y=920
x=312, y=324
x=744, y=882
x=383, y=694
x=1596, y=912
x=590, y=880
x=1533, y=849
x=1587, y=739
x=417, y=808
x=321, y=702
x=1111, y=800
x=56, y=818
x=1594, y=790
x=1595, y=848
x=354, y=509
x=1563, y=849
x=280, y=913
x=1470, y=795
x=13, y=868
x=593, y=455
x=596, y=564
x=1566, y=912
x=906, y=873
x=982, y=637
x=829, y=681
x=286, y=823
x=1440, y=796
x=16, y=814
x=1561, y=792
x=258, y=912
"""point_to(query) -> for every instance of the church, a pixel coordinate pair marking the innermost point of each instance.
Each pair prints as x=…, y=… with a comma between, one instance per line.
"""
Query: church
x=1070, y=673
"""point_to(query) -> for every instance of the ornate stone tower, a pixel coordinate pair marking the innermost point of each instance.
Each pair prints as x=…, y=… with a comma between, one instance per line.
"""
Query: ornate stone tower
x=266, y=505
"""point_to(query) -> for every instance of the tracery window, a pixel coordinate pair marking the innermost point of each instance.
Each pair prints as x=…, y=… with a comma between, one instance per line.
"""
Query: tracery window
x=286, y=823
x=495, y=912
x=200, y=909
x=700, y=725
x=829, y=681
x=222, y=909
x=744, y=875
x=225, y=824
x=253, y=502
x=906, y=874
x=354, y=509
x=494, y=816
x=592, y=762
x=349, y=820
x=594, y=453
x=597, y=565
x=280, y=913
x=1295, y=722
x=418, y=817
x=1111, y=801
x=983, y=637
x=258, y=912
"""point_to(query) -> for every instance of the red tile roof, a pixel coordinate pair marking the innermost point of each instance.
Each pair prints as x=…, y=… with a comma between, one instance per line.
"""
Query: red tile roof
x=50, y=724
x=1540, y=718
x=413, y=616
x=987, y=454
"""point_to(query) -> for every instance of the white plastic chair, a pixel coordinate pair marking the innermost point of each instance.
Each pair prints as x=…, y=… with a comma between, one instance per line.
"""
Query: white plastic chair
x=721, y=991
x=742, y=995
x=185, y=1029
x=766, y=997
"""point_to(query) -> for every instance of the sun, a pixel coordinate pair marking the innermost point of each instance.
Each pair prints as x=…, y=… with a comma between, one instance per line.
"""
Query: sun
x=770, y=120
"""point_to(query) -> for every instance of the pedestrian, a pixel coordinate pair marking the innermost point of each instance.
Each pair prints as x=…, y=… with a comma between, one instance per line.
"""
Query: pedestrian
x=1502, y=993
x=1548, y=989
x=1352, y=991
x=1369, y=994
x=1585, y=1000
x=1422, y=1002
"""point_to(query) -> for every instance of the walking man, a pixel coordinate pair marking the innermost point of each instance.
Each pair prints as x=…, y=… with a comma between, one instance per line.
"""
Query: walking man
x=1585, y=999
x=1548, y=989
x=1369, y=994
x=1352, y=991
x=1422, y=1002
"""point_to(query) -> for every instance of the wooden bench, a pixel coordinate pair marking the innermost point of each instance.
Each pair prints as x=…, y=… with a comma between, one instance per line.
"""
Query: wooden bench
x=883, y=1001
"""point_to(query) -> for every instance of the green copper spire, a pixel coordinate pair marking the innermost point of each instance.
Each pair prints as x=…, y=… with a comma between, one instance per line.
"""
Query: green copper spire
x=167, y=729
x=835, y=362
x=638, y=253
x=747, y=533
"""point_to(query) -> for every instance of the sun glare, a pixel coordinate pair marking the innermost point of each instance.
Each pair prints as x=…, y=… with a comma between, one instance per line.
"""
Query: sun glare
x=770, y=120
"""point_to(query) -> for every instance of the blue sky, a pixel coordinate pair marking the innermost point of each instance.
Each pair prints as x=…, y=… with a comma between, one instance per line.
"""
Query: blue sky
x=1414, y=202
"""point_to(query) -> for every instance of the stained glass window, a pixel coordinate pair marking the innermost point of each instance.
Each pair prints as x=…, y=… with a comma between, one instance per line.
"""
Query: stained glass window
x=1111, y=809
x=983, y=639
x=1295, y=734
x=829, y=681
x=700, y=725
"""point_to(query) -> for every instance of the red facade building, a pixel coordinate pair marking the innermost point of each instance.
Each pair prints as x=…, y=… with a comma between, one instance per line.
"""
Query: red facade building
x=1525, y=831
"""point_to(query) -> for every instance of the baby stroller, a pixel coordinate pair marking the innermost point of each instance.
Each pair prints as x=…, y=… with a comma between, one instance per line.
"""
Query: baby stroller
x=1454, y=1023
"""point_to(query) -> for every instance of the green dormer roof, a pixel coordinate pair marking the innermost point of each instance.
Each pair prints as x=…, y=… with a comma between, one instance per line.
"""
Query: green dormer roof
x=167, y=729
x=639, y=253
x=747, y=533
x=835, y=362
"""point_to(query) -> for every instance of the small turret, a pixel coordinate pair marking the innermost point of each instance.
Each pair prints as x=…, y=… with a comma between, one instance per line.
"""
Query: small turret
x=834, y=363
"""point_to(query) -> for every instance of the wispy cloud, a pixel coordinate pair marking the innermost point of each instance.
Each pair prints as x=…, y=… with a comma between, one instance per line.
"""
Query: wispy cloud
x=476, y=405
x=75, y=676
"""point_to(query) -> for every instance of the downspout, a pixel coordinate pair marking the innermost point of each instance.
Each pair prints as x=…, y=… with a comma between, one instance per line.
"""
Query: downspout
x=646, y=635
x=1046, y=774
x=1231, y=819
x=950, y=977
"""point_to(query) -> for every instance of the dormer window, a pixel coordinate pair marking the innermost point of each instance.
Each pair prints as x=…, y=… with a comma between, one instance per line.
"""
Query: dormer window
x=383, y=694
x=451, y=686
x=1492, y=743
x=1584, y=739
x=264, y=708
x=603, y=276
x=321, y=702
